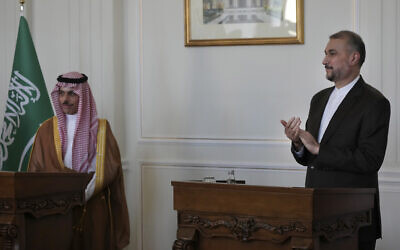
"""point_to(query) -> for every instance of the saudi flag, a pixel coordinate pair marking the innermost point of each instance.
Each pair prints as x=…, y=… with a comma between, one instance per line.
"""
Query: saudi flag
x=28, y=104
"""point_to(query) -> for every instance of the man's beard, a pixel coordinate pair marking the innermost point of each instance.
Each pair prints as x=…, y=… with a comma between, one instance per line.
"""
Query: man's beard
x=332, y=76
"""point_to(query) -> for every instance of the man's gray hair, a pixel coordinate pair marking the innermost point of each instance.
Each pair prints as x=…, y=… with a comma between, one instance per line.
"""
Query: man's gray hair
x=354, y=41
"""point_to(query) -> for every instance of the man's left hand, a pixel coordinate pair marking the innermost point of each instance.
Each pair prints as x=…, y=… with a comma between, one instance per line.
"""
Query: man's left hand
x=309, y=142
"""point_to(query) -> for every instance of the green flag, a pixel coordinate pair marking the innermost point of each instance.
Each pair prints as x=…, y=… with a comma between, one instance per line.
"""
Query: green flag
x=28, y=104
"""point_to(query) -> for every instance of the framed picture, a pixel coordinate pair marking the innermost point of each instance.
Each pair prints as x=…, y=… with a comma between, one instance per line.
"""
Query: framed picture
x=243, y=22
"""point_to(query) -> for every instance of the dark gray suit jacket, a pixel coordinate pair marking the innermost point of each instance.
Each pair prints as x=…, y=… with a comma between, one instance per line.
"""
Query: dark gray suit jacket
x=353, y=146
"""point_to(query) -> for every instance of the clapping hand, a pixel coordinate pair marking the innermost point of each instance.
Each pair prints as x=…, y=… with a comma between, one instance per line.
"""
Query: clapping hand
x=292, y=131
x=309, y=141
x=300, y=137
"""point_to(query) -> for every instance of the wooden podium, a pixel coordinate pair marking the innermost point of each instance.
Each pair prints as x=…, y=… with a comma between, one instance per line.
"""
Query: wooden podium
x=230, y=216
x=36, y=209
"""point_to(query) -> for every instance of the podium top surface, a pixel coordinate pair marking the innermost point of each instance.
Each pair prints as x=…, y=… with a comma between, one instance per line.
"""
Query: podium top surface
x=28, y=184
x=295, y=202
x=274, y=189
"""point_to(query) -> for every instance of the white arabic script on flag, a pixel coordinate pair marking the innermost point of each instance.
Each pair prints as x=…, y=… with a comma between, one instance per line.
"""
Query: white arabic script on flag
x=21, y=92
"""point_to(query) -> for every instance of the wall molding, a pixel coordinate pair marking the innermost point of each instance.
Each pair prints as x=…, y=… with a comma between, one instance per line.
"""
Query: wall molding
x=389, y=180
x=207, y=140
x=397, y=91
x=191, y=139
x=219, y=165
x=166, y=140
x=356, y=16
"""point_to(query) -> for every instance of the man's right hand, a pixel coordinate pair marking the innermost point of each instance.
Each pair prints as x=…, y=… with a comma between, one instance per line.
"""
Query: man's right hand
x=292, y=130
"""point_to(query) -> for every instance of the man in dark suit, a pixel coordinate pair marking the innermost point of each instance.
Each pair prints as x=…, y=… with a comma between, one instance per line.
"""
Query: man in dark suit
x=344, y=142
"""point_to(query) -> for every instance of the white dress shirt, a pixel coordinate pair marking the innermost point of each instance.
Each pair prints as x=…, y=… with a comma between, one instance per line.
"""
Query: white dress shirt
x=335, y=99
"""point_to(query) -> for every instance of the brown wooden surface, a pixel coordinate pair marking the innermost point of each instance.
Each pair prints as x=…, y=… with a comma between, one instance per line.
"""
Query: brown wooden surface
x=36, y=209
x=226, y=216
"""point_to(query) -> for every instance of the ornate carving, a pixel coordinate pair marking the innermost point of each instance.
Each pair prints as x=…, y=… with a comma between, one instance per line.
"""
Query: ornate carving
x=41, y=205
x=343, y=226
x=8, y=236
x=243, y=227
x=5, y=205
x=183, y=245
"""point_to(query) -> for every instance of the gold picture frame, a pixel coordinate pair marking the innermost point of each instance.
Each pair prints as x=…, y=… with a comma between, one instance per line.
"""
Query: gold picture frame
x=243, y=22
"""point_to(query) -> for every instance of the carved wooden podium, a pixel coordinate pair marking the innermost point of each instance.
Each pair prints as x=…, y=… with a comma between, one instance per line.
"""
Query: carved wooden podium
x=36, y=209
x=224, y=216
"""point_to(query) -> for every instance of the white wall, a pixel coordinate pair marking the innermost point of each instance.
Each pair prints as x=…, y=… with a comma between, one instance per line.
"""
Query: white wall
x=186, y=112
